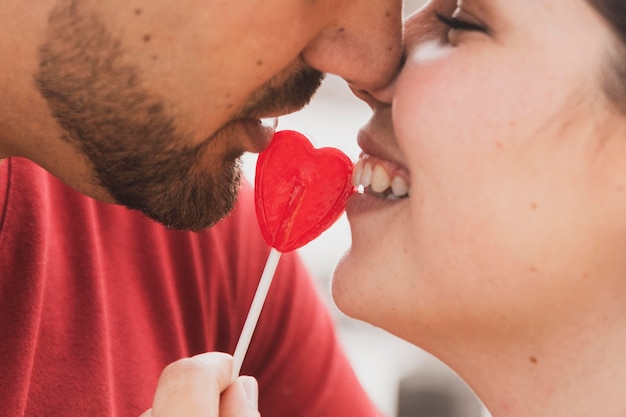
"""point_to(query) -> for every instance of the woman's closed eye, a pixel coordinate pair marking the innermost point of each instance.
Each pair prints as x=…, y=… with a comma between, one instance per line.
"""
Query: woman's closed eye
x=454, y=22
x=458, y=23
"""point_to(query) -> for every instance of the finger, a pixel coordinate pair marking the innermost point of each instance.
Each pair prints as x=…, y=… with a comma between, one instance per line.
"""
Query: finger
x=240, y=399
x=192, y=386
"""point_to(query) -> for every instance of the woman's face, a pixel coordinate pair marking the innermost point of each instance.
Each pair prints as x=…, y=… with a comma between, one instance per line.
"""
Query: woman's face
x=516, y=169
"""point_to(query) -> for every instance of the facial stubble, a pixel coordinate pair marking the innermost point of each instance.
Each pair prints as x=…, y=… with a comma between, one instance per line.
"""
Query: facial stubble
x=129, y=134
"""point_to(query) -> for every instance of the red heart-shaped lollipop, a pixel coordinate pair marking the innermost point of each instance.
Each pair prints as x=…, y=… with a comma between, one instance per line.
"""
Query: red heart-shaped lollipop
x=299, y=191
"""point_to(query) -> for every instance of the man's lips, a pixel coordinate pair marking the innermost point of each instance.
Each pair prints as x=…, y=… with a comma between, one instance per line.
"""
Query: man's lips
x=256, y=133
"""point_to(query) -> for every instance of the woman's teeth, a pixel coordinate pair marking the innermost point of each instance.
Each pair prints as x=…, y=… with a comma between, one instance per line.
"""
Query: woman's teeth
x=380, y=178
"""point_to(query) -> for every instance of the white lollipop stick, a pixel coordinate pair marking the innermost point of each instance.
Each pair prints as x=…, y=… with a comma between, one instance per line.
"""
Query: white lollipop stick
x=254, y=312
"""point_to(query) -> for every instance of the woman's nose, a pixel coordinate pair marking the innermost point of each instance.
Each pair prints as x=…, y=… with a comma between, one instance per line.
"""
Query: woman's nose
x=363, y=43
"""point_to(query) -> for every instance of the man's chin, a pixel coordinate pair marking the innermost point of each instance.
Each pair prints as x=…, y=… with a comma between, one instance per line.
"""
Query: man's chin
x=189, y=207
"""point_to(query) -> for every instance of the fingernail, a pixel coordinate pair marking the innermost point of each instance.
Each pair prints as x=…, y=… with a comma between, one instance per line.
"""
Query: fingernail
x=251, y=388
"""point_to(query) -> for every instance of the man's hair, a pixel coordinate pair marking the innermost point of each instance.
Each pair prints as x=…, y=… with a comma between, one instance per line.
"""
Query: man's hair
x=614, y=12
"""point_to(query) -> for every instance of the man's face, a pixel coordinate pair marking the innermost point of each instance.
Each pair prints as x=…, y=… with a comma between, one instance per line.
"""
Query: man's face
x=163, y=97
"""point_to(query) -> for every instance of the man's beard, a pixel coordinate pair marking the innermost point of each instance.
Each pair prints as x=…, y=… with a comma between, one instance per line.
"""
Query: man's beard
x=128, y=134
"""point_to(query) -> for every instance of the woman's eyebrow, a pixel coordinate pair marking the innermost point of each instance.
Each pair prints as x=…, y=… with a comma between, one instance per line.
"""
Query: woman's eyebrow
x=491, y=12
x=479, y=6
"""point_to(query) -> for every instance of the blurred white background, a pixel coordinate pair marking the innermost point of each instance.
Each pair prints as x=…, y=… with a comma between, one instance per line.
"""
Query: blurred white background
x=380, y=360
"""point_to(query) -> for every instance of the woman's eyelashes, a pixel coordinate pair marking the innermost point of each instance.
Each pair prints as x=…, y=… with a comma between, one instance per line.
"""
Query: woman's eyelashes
x=455, y=23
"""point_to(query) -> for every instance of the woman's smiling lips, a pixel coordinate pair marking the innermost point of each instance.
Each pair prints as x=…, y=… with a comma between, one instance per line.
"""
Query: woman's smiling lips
x=377, y=174
x=380, y=178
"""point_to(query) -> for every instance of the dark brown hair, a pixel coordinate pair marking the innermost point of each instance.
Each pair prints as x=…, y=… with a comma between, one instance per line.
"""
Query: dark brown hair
x=614, y=12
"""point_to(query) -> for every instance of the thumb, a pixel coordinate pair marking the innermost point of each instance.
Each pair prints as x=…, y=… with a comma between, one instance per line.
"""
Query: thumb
x=251, y=389
x=241, y=398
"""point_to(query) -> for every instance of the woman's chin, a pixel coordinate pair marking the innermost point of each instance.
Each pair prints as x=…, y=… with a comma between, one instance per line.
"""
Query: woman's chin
x=345, y=286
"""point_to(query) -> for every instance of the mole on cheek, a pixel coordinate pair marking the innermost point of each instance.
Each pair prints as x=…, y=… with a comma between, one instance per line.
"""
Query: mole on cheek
x=533, y=360
x=146, y=38
x=138, y=12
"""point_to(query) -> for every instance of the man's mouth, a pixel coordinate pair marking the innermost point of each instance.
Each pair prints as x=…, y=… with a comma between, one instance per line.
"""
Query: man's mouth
x=380, y=178
x=253, y=134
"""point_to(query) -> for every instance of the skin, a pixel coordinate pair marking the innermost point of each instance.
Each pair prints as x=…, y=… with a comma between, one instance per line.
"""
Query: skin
x=200, y=386
x=149, y=104
x=507, y=259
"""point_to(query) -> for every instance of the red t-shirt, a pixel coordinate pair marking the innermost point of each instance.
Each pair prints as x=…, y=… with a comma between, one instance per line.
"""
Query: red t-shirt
x=95, y=300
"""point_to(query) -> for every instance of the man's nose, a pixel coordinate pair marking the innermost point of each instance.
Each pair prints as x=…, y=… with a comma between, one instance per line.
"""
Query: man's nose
x=363, y=44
